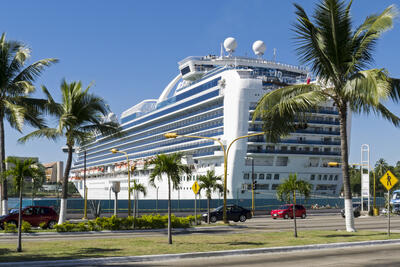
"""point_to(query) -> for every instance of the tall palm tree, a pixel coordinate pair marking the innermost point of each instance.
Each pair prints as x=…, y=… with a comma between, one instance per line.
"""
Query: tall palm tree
x=287, y=191
x=137, y=188
x=170, y=165
x=210, y=183
x=20, y=170
x=338, y=55
x=80, y=118
x=16, y=86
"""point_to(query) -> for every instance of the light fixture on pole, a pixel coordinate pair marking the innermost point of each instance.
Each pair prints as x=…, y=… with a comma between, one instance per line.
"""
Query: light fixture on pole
x=226, y=152
x=114, y=150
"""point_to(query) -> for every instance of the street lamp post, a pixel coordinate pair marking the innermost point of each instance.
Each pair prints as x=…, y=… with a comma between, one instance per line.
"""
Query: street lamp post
x=253, y=185
x=84, y=186
x=114, y=150
x=226, y=152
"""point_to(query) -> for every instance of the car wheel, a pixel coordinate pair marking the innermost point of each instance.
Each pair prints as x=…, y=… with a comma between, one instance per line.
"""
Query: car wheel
x=235, y=220
x=51, y=224
x=303, y=216
x=274, y=218
x=242, y=218
x=213, y=219
x=286, y=216
x=343, y=216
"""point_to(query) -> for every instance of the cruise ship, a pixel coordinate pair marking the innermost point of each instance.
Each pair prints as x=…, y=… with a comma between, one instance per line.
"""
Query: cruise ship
x=215, y=96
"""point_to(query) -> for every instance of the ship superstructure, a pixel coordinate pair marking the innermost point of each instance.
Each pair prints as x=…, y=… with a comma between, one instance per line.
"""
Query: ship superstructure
x=215, y=96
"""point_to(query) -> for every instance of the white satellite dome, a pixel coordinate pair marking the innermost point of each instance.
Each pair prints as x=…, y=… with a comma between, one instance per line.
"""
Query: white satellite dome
x=259, y=48
x=230, y=44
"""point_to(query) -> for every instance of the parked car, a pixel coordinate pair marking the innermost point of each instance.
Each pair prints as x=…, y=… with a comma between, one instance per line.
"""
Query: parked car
x=233, y=212
x=356, y=210
x=286, y=212
x=32, y=214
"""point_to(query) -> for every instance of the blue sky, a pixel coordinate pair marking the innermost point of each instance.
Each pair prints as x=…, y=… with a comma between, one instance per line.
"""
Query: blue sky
x=130, y=50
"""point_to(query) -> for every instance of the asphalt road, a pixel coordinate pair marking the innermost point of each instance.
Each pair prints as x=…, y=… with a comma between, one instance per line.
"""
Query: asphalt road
x=258, y=224
x=378, y=255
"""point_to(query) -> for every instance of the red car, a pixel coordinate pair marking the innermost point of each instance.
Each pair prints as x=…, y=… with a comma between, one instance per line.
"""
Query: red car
x=32, y=214
x=286, y=211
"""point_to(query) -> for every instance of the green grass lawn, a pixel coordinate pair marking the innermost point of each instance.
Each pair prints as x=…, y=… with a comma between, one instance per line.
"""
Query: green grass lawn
x=56, y=250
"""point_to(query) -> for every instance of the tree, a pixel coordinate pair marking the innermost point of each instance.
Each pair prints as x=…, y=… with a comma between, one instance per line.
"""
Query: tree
x=80, y=118
x=338, y=55
x=171, y=166
x=288, y=189
x=210, y=183
x=21, y=170
x=16, y=105
x=136, y=189
x=381, y=167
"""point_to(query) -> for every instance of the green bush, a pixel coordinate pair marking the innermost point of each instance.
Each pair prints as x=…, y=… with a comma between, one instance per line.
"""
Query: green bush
x=92, y=226
x=154, y=221
x=26, y=227
x=43, y=225
x=65, y=227
x=10, y=228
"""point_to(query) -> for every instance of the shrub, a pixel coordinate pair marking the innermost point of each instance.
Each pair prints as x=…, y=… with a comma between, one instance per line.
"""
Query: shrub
x=26, y=227
x=81, y=227
x=43, y=225
x=64, y=227
x=10, y=228
x=92, y=226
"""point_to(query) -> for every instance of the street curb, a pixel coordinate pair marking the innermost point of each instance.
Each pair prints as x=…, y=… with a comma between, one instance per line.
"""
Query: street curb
x=194, y=255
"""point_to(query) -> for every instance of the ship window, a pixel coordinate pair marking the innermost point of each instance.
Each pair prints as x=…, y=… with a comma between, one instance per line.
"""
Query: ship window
x=246, y=176
x=336, y=177
x=312, y=177
x=185, y=70
x=276, y=176
x=261, y=176
x=268, y=177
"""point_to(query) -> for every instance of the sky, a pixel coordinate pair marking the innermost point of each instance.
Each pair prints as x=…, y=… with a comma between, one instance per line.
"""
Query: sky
x=129, y=50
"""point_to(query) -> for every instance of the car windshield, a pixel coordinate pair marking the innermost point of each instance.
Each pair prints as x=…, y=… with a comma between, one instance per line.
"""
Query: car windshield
x=283, y=207
x=218, y=209
x=14, y=211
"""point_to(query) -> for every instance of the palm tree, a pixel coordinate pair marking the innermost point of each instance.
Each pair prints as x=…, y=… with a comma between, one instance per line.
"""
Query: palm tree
x=80, y=118
x=381, y=167
x=20, y=170
x=288, y=189
x=16, y=86
x=209, y=182
x=338, y=55
x=137, y=188
x=171, y=166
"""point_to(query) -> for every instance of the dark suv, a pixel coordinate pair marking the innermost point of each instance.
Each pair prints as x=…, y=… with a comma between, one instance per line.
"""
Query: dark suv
x=35, y=215
x=233, y=212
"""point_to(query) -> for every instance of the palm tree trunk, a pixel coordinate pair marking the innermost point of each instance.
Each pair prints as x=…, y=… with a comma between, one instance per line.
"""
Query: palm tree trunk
x=294, y=214
x=208, y=209
x=19, y=246
x=169, y=212
x=64, y=197
x=348, y=206
x=4, y=197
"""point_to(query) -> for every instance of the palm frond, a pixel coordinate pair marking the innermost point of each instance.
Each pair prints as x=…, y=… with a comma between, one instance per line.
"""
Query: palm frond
x=34, y=70
x=49, y=133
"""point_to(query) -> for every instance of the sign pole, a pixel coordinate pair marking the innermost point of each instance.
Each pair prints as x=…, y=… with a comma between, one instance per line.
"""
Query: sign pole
x=195, y=209
x=388, y=210
x=388, y=180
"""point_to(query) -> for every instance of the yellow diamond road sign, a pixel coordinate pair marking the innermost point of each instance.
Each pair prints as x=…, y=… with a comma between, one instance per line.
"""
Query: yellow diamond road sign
x=195, y=187
x=388, y=180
